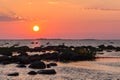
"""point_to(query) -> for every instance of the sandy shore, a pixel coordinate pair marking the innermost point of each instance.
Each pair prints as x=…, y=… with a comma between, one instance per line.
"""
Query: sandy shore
x=86, y=70
x=101, y=69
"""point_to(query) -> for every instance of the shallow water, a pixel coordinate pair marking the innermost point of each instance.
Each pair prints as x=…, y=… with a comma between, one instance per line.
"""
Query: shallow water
x=101, y=69
x=104, y=64
x=82, y=42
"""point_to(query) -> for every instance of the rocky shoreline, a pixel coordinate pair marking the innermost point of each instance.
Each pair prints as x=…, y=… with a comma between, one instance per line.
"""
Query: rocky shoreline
x=36, y=64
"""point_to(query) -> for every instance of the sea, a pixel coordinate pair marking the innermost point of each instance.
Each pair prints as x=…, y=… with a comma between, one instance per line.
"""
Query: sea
x=55, y=42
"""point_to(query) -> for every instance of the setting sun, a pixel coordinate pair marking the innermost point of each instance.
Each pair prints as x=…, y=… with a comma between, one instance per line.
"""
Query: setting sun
x=36, y=28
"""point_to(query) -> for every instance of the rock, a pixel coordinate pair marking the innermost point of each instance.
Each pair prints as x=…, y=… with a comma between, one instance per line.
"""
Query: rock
x=4, y=58
x=24, y=60
x=48, y=71
x=32, y=73
x=23, y=49
x=7, y=53
x=24, y=54
x=37, y=65
x=32, y=42
x=50, y=56
x=5, y=62
x=14, y=74
x=117, y=49
x=51, y=64
x=21, y=66
x=48, y=66
x=34, y=58
x=69, y=56
x=14, y=59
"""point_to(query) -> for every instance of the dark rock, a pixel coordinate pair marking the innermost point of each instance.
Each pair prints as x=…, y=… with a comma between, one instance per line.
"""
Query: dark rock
x=69, y=56
x=14, y=74
x=14, y=59
x=5, y=62
x=22, y=53
x=117, y=49
x=102, y=47
x=48, y=71
x=34, y=58
x=37, y=49
x=110, y=47
x=51, y=64
x=24, y=60
x=36, y=42
x=7, y=53
x=37, y=65
x=21, y=66
x=48, y=66
x=4, y=58
x=50, y=56
x=32, y=42
x=32, y=73
x=23, y=48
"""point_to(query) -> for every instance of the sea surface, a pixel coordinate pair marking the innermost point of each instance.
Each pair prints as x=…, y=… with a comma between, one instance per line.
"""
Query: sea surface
x=68, y=42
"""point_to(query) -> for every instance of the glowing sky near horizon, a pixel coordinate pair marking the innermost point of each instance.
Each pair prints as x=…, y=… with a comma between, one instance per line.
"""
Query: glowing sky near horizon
x=76, y=19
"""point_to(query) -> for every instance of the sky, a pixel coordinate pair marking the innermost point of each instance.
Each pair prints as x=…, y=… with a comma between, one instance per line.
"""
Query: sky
x=67, y=19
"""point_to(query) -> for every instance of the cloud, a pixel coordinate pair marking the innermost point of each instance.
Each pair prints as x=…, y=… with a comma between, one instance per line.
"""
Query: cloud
x=102, y=9
x=9, y=18
x=9, y=15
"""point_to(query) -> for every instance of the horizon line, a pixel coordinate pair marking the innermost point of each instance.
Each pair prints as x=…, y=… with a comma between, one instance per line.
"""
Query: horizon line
x=58, y=39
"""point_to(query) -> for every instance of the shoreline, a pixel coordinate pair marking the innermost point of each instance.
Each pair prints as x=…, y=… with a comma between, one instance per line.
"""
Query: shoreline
x=84, y=63
x=64, y=72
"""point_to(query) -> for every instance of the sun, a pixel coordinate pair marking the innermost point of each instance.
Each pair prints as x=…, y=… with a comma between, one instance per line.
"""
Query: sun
x=36, y=28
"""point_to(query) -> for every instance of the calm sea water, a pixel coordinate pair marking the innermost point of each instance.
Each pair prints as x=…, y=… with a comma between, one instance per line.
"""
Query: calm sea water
x=36, y=43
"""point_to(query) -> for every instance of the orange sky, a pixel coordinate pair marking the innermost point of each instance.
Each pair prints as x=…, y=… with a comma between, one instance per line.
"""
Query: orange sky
x=60, y=19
